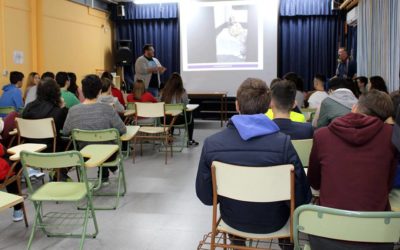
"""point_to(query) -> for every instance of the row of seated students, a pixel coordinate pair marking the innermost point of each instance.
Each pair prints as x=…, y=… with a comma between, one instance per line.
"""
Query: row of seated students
x=99, y=109
x=352, y=162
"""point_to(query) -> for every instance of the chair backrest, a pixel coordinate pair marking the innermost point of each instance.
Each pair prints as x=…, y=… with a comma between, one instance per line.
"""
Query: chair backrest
x=303, y=149
x=6, y=110
x=253, y=184
x=372, y=227
x=150, y=110
x=131, y=106
x=104, y=135
x=36, y=129
x=178, y=107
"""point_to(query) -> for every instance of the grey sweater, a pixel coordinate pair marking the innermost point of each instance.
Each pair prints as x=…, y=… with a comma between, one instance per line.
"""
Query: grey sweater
x=93, y=117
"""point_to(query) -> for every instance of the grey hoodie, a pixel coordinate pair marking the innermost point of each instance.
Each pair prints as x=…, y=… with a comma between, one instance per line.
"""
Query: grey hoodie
x=111, y=100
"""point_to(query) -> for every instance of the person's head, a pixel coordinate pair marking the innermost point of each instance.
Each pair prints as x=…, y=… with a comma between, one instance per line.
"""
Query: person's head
x=377, y=82
x=148, y=50
x=106, y=87
x=375, y=103
x=73, y=87
x=62, y=79
x=283, y=97
x=48, y=90
x=292, y=76
x=362, y=82
x=342, y=53
x=138, y=89
x=274, y=81
x=48, y=74
x=252, y=97
x=395, y=96
x=16, y=78
x=319, y=82
x=108, y=75
x=33, y=79
x=338, y=83
x=91, y=86
x=173, y=88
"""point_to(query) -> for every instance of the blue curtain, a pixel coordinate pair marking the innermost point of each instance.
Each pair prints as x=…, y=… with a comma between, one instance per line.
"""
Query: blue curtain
x=309, y=35
x=156, y=24
x=352, y=41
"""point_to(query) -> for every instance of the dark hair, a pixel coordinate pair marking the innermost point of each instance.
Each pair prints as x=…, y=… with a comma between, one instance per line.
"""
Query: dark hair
x=378, y=83
x=337, y=83
x=284, y=95
x=108, y=75
x=62, y=78
x=320, y=77
x=147, y=47
x=91, y=86
x=363, y=79
x=275, y=80
x=106, y=84
x=395, y=96
x=73, y=87
x=292, y=76
x=49, y=91
x=173, y=88
x=376, y=103
x=48, y=74
x=253, y=96
x=16, y=76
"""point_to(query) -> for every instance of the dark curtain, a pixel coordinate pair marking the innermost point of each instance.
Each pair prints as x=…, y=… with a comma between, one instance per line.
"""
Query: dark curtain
x=156, y=24
x=309, y=35
x=352, y=41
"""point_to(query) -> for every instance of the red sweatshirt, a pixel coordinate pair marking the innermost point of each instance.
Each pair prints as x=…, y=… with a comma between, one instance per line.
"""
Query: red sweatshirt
x=118, y=93
x=146, y=97
x=353, y=163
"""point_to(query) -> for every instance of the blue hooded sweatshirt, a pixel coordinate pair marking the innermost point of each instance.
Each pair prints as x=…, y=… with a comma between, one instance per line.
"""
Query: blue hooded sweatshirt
x=12, y=97
x=251, y=140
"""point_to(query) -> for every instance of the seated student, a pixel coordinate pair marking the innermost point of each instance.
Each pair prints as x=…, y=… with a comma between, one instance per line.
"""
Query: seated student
x=12, y=95
x=63, y=81
x=283, y=95
x=292, y=76
x=114, y=91
x=74, y=88
x=353, y=161
x=251, y=139
x=139, y=93
x=339, y=102
x=362, y=82
x=31, y=85
x=91, y=115
x=173, y=93
x=107, y=98
x=377, y=82
x=319, y=95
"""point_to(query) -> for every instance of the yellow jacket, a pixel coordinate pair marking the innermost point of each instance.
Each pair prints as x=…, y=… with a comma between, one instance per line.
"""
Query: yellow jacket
x=294, y=116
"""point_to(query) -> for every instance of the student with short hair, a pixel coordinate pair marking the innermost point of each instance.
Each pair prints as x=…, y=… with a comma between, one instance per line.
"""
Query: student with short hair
x=107, y=98
x=139, y=93
x=251, y=139
x=353, y=161
x=283, y=96
x=92, y=115
x=316, y=98
x=12, y=95
x=114, y=91
x=69, y=98
x=362, y=82
x=48, y=74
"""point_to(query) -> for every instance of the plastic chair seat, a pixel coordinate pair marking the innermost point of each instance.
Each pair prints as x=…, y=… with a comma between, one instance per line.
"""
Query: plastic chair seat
x=61, y=191
x=281, y=233
x=152, y=130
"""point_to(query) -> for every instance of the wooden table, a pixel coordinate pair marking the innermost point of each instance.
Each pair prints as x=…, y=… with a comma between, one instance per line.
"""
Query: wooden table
x=8, y=200
x=30, y=147
x=221, y=95
x=98, y=153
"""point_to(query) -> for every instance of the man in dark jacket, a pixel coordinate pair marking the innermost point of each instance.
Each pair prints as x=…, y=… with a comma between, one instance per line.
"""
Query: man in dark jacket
x=251, y=139
x=283, y=96
x=353, y=161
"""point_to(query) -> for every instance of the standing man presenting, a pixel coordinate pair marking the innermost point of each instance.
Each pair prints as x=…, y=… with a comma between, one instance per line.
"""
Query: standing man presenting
x=346, y=68
x=148, y=68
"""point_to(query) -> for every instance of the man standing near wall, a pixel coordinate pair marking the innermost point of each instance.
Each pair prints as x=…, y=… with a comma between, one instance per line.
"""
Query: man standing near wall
x=346, y=68
x=148, y=68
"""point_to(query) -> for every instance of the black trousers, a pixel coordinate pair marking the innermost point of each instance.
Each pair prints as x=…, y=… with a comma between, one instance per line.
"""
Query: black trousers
x=181, y=120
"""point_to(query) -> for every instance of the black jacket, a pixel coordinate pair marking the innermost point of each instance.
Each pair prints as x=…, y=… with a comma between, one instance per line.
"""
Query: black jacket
x=267, y=150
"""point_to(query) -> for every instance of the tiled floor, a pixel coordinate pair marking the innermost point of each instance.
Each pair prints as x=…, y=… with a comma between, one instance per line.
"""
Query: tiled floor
x=159, y=211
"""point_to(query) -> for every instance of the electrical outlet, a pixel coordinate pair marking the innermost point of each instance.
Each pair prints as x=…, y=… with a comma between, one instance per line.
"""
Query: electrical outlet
x=5, y=72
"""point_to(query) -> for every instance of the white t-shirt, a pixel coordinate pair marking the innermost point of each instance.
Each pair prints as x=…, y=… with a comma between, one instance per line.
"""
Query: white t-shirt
x=316, y=99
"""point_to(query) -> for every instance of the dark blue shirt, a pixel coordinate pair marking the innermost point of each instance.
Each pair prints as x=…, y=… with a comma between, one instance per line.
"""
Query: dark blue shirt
x=296, y=130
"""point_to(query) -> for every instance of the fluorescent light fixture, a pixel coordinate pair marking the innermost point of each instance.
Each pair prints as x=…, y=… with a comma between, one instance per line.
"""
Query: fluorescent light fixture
x=154, y=1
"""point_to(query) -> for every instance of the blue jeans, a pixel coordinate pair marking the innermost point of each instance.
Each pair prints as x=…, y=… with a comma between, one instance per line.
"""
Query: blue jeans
x=153, y=91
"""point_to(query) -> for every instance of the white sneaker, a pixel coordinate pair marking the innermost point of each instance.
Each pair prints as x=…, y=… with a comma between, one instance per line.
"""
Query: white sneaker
x=18, y=215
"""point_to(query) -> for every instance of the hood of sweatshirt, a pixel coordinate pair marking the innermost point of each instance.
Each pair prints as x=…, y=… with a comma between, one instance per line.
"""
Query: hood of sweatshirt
x=344, y=97
x=251, y=126
x=9, y=87
x=356, y=129
x=107, y=99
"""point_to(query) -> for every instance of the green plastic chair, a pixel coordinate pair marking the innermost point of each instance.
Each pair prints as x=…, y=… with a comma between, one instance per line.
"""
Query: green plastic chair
x=309, y=113
x=303, y=149
x=369, y=227
x=97, y=137
x=180, y=107
x=4, y=111
x=59, y=192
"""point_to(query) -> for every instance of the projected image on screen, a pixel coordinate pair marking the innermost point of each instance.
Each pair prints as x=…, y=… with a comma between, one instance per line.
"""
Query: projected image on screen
x=223, y=35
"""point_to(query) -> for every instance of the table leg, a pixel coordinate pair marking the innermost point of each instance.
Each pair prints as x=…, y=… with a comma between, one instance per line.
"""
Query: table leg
x=222, y=109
